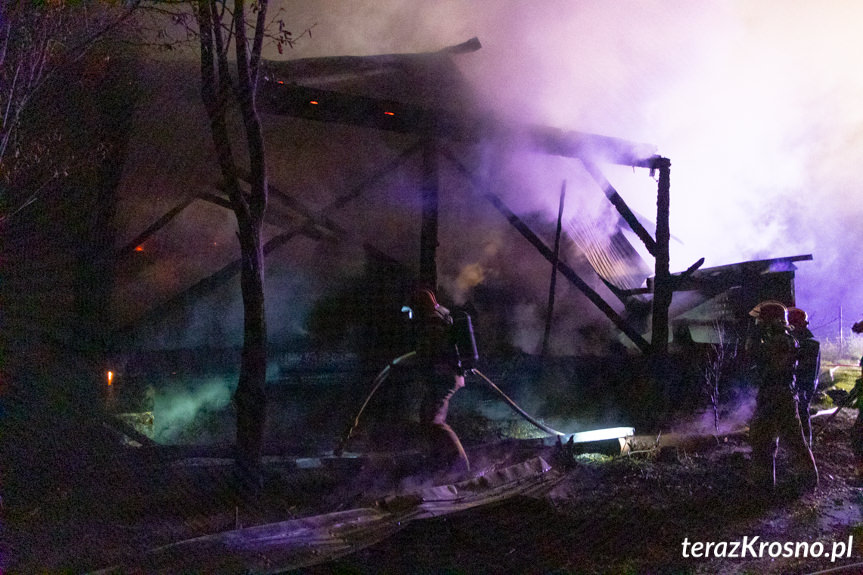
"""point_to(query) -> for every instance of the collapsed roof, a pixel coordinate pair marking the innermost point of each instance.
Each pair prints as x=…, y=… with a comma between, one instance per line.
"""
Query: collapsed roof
x=424, y=98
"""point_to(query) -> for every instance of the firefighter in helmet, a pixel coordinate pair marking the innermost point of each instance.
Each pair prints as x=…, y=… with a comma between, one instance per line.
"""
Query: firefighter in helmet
x=808, y=367
x=439, y=370
x=857, y=428
x=776, y=419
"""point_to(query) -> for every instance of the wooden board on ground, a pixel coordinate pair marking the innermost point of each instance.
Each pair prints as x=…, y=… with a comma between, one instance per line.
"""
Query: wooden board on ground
x=297, y=543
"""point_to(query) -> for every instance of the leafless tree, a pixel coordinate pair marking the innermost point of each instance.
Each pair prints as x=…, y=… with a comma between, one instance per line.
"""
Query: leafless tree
x=719, y=359
x=36, y=40
x=243, y=26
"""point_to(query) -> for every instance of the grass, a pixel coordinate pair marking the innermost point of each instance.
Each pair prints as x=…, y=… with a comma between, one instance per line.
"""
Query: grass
x=845, y=377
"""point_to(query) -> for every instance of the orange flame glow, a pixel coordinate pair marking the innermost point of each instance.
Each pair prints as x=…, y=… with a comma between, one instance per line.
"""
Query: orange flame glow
x=110, y=378
x=139, y=248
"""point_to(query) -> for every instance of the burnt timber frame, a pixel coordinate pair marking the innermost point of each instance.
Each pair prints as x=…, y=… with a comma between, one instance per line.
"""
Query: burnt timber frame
x=329, y=106
x=548, y=254
x=316, y=225
x=441, y=125
x=434, y=126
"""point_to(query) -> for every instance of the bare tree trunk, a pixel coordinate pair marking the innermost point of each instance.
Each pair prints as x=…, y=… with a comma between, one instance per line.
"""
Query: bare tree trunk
x=249, y=207
x=250, y=398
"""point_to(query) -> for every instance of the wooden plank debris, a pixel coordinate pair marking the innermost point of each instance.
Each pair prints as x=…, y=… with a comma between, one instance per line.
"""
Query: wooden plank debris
x=297, y=543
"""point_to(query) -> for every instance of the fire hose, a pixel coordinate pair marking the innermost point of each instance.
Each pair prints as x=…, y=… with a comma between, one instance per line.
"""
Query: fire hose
x=382, y=376
x=514, y=405
x=379, y=379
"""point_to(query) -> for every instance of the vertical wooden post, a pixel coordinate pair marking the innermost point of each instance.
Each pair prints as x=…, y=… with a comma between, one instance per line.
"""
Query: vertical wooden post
x=429, y=226
x=555, y=258
x=662, y=287
x=662, y=291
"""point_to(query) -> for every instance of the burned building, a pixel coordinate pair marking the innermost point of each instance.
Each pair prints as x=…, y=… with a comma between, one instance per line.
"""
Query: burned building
x=365, y=152
x=384, y=171
x=721, y=297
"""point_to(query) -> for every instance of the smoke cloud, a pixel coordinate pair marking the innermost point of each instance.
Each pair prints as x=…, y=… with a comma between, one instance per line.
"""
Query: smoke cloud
x=184, y=413
x=755, y=104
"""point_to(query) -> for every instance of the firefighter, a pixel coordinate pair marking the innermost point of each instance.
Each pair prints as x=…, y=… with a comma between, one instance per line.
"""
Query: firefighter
x=776, y=418
x=439, y=370
x=857, y=429
x=808, y=367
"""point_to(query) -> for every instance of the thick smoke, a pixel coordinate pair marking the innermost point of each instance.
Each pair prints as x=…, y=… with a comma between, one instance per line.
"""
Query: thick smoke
x=755, y=105
x=185, y=413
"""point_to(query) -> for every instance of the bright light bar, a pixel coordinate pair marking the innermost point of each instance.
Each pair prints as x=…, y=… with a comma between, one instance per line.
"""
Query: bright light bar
x=602, y=434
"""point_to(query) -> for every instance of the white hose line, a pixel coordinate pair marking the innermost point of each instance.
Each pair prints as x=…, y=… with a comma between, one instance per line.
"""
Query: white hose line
x=515, y=406
x=379, y=379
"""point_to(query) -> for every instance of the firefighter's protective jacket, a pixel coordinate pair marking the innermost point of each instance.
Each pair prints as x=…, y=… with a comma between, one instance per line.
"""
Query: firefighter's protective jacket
x=434, y=343
x=774, y=356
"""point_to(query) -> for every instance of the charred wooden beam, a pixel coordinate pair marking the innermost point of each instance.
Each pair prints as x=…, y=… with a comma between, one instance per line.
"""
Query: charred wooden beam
x=466, y=47
x=217, y=200
x=154, y=227
x=329, y=106
x=216, y=280
x=620, y=294
x=689, y=271
x=582, y=145
x=548, y=254
x=318, y=219
x=274, y=217
x=620, y=205
x=278, y=97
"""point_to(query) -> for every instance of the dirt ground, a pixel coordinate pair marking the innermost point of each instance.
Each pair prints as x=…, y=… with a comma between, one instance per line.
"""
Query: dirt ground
x=624, y=514
x=631, y=514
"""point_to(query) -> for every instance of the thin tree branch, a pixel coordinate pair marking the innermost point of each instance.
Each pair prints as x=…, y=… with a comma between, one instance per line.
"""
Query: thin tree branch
x=214, y=92
x=33, y=197
x=242, y=47
x=257, y=46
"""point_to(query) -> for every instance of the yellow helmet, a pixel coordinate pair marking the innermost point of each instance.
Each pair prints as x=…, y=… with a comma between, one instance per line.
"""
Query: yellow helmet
x=770, y=311
x=797, y=317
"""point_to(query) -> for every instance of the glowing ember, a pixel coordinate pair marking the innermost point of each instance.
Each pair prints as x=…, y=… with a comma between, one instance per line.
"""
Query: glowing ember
x=314, y=102
x=602, y=434
x=139, y=248
x=110, y=378
x=390, y=113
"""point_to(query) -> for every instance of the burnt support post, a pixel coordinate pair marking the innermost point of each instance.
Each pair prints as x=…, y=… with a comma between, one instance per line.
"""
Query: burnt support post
x=552, y=283
x=429, y=226
x=663, y=286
